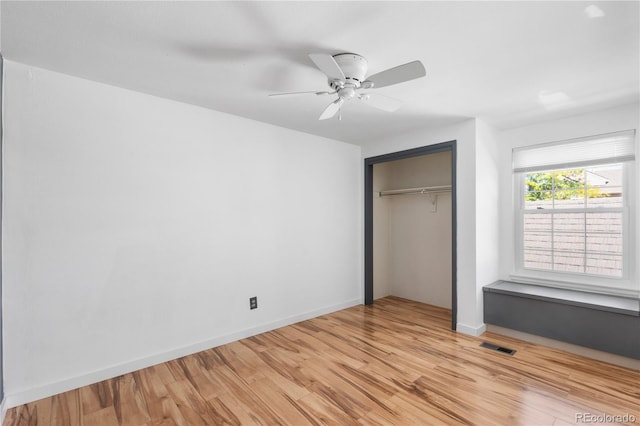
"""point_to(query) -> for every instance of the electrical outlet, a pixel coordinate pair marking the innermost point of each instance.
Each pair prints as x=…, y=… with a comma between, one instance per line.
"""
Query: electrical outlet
x=253, y=303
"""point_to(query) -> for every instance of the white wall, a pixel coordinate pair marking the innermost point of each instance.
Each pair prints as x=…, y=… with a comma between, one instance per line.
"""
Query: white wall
x=136, y=229
x=488, y=214
x=414, y=241
x=605, y=121
x=469, y=315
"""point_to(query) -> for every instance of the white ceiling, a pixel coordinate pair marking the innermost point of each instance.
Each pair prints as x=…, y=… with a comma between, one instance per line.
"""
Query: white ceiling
x=509, y=63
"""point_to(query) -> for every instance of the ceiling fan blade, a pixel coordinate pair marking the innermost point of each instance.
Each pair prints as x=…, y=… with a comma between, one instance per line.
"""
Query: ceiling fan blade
x=300, y=93
x=327, y=65
x=331, y=110
x=398, y=74
x=376, y=100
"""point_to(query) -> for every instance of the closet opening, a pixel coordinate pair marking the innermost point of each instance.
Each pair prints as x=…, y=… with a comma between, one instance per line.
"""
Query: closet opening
x=410, y=226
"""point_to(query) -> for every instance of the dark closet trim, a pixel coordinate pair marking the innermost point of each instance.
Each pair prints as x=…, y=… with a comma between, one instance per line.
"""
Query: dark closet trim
x=368, y=217
x=1, y=202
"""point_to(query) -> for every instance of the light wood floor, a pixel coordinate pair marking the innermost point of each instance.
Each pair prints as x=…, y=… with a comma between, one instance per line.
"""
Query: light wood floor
x=394, y=363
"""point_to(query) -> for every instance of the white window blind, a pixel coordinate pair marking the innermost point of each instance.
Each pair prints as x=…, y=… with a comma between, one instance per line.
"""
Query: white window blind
x=575, y=213
x=602, y=149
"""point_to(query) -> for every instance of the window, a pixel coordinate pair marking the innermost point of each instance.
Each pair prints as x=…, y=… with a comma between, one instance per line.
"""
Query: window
x=573, y=218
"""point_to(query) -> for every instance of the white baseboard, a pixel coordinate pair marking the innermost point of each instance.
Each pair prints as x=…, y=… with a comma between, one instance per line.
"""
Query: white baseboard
x=569, y=347
x=470, y=330
x=3, y=410
x=50, y=389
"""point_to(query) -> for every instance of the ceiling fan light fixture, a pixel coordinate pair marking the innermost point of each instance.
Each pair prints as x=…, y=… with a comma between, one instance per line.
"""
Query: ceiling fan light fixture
x=346, y=74
x=347, y=93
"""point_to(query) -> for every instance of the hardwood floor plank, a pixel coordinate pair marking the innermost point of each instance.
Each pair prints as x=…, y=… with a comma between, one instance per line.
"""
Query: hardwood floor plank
x=192, y=407
x=41, y=411
x=324, y=411
x=393, y=363
x=240, y=396
x=23, y=415
x=208, y=385
x=164, y=373
x=128, y=402
x=104, y=416
x=286, y=368
x=288, y=410
x=160, y=407
x=417, y=409
x=66, y=409
x=287, y=387
x=96, y=397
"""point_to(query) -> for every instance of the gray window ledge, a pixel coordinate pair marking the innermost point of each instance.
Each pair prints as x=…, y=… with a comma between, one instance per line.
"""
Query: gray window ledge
x=601, y=302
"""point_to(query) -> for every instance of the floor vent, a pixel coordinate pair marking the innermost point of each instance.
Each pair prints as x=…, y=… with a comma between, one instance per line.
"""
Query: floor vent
x=497, y=348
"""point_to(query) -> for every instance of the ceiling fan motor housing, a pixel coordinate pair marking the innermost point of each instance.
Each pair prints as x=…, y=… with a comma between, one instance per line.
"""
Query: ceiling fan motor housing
x=346, y=76
x=353, y=66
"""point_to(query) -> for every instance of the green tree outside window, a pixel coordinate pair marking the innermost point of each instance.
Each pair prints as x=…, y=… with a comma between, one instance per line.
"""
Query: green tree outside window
x=564, y=184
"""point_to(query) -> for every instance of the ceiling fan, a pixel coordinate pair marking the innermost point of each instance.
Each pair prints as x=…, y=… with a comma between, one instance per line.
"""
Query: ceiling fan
x=346, y=77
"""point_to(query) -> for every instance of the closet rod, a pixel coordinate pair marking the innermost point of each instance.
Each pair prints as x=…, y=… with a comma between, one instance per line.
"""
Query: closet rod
x=423, y=190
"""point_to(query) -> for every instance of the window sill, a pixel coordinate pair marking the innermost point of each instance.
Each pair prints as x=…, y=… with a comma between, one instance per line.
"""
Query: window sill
x=582, y=284
x=601, y=302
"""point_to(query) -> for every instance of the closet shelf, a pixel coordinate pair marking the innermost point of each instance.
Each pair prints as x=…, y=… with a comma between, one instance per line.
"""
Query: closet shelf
x=423, y=190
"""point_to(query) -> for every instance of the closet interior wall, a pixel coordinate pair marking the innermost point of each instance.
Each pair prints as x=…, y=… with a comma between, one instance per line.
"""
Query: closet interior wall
x=411, y=241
